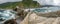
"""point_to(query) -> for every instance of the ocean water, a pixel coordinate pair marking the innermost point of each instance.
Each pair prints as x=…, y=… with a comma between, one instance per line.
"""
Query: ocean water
x=6, y=15
x=47, y=9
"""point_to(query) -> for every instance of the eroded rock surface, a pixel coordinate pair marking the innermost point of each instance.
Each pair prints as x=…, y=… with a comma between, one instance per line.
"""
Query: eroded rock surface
x=35, y=19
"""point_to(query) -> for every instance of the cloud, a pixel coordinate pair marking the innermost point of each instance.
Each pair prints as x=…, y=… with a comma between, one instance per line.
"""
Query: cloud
x=42, y=2
x=48, y=2
x=45, y=2
x=56, y=2
x=4, y=1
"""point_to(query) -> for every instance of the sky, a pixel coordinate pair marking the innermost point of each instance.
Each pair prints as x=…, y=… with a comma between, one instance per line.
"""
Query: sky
x=42, y=2
x=48, y=2
x=4, y=1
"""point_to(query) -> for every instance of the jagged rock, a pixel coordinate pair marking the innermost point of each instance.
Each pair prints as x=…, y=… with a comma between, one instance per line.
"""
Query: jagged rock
x=40, y=19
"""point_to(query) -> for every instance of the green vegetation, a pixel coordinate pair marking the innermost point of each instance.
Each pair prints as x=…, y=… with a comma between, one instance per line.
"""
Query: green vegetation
x=9, y=5
x=23, y=4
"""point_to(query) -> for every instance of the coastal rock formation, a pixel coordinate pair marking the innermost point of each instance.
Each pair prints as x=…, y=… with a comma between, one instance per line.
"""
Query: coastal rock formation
x=42, y=19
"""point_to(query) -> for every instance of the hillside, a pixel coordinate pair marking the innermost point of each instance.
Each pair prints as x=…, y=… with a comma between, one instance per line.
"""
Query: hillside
x=9, y=5
x=20, y=4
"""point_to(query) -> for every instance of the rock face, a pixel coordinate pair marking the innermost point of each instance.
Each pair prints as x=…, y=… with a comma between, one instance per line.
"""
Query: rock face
x=47, y=18
x=35, y=19
x=12, y=21
x=25, y=21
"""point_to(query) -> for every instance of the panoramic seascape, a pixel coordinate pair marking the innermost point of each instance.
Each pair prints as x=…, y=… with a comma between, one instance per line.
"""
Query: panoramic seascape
x=29, y=11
